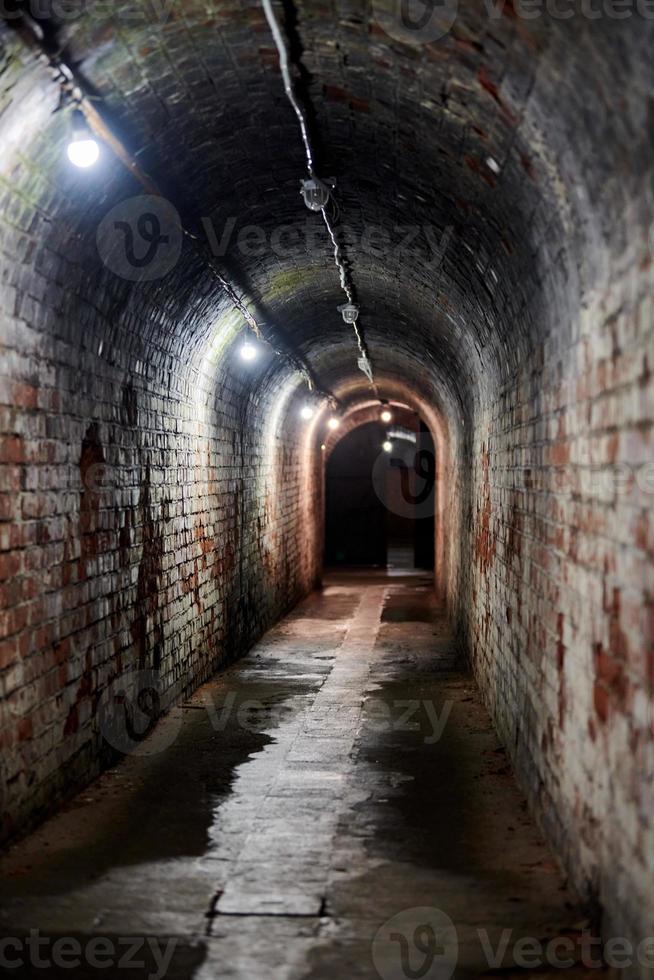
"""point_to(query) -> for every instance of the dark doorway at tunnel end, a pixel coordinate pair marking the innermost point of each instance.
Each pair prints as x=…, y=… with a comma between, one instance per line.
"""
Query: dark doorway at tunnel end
x=380, y=496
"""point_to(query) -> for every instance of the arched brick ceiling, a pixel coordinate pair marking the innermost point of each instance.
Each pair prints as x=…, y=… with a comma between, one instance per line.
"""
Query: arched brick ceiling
x=406, y=130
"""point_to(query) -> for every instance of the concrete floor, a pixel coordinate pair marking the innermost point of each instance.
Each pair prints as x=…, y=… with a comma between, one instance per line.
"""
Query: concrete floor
x=333, y=801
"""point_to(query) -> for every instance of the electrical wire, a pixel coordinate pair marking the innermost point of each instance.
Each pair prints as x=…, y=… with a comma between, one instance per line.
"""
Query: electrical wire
x=284, y=64
x=363, y=361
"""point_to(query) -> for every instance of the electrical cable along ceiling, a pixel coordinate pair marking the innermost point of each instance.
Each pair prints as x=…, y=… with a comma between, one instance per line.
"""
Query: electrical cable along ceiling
x=318, y=194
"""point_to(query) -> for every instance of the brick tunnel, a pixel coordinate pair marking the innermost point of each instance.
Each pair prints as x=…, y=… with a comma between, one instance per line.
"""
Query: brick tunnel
x=214, y=747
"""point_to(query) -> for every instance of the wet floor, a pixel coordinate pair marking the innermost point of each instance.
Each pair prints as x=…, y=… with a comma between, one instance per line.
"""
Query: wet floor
x=334, y=805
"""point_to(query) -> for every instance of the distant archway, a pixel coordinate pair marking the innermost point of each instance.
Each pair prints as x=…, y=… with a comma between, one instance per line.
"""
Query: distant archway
x=380, y=493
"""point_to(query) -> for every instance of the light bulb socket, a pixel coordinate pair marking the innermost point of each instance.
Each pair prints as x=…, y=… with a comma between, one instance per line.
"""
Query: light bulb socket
x=80, y=127
x=364, y=365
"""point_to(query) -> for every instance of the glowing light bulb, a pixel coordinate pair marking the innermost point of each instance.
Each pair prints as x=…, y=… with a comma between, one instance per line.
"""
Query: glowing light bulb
x=386, y=416
x=248, y=351
x=387, y=446
x=83, y=150
x=323, y=447
x=333, y=423
x=83, y=153
x=306, y=412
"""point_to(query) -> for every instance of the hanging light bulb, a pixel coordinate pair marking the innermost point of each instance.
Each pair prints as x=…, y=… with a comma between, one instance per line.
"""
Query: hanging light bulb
x=248, y=351
x=387, y=446
x=315, y=193
x=306, y=412
x=386, y=416
x=333, y=423
x=83, y=149
x=349, y=312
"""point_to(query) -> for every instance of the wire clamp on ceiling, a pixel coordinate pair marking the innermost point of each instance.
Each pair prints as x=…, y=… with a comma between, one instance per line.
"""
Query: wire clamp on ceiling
x=364, y=365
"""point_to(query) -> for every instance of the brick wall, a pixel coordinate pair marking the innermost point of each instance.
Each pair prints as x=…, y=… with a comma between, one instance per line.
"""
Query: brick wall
x=134, y=537
x=142, y=529
x=560, y=619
